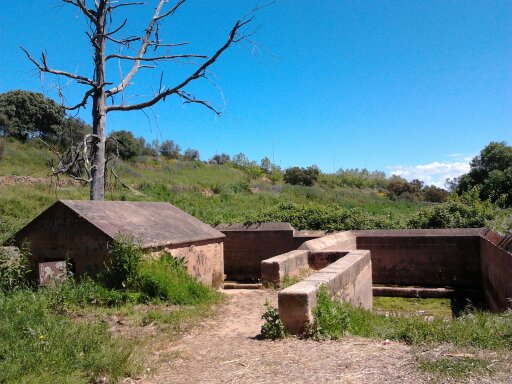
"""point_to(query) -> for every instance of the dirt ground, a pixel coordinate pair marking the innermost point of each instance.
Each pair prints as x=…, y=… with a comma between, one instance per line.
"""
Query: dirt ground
x=224, y=349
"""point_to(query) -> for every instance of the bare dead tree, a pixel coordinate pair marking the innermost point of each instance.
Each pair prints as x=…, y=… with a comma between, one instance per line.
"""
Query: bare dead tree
x=87, y=162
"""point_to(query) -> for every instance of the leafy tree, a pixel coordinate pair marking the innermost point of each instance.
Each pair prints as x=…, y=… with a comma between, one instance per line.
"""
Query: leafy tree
x=191, y=154
x=108, y=46
x=240, y=160
x=434, y=194
x=170, y=149
x=220, y=159
x=361, y=178
x=302, y=176
x=491, y=173
x=275, y=174
x=71, y=131
x=266, y=165
x=25, y=114
x=128, y=145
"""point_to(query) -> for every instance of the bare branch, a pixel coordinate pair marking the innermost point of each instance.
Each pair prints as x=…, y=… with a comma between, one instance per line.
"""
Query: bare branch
x=87, y=12
x=146, y=40
x=112, y=7
x=171, y=11
x=83, y=103
x=155, y=58
x=44, y=68
x=125, y=41
x=189, y=99
x=118, y=28
x=200, y=72
x=158, y=44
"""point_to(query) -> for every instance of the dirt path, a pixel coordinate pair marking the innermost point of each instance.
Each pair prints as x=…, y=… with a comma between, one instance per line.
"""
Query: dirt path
x=224, y=350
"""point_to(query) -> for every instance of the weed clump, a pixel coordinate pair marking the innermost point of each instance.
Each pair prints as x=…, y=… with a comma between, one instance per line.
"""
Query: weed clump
x=273, y=328
x=14, y=269
x=331, y=318
x=168, y=279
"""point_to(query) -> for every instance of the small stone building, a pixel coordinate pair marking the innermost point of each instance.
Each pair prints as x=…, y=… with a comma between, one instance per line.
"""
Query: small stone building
x=81, y=231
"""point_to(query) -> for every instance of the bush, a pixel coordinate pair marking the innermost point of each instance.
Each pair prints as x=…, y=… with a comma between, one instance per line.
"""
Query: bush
x=273, y=327
x=122, y=270
x=168, y=279
x=301, y=176
x=3, y=147
x=330, y=318
x=323, y=217
x=466, y=211
x=169, y=149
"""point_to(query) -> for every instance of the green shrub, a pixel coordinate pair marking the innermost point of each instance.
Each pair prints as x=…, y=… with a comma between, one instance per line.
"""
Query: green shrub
x=168, y=279
x=301, y=176
x=466, y=211
x=122, y=270
x=273, y=327
x=330, y=318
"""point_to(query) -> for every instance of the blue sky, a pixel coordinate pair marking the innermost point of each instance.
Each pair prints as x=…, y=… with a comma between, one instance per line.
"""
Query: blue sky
x=409, y=87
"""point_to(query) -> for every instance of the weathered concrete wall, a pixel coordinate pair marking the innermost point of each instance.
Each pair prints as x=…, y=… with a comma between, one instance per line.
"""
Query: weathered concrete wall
x=246, y=246
x=349, y=279
x=496, y=265
x=205, y=261
x=429, y=258
x=341, y=241
x=291, y=264
x=58, y=235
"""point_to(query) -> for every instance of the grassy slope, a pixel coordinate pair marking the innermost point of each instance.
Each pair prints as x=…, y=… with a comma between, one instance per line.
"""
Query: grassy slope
x=212, y=193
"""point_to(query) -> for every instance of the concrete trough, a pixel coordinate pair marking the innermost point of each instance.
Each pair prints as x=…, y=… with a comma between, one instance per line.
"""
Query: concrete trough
x=349, y=279
x=290, y=264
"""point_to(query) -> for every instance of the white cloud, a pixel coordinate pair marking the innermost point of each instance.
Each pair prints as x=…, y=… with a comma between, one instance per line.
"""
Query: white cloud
x=433, y=173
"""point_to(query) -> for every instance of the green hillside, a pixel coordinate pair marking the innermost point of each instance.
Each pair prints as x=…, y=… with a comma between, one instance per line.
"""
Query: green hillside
x=214, y=194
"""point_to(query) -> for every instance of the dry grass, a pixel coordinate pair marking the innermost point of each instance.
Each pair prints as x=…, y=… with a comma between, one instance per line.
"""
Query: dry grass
x=224, y=349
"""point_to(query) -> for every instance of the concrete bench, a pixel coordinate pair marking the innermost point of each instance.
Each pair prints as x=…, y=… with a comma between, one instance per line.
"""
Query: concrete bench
x=349, y=279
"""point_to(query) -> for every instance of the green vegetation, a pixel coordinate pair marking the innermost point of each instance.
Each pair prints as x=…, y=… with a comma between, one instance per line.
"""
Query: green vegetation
x=331, y=320
x=273, y=327
x=167, y=279
x=473, y=329
x=458, y=367
x=439, y=308
x=38, y=345
x=491, y=174
x=43, y=340
x=227, y=194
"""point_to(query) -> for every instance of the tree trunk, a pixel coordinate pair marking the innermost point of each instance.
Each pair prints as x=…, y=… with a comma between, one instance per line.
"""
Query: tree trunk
x=99, y=112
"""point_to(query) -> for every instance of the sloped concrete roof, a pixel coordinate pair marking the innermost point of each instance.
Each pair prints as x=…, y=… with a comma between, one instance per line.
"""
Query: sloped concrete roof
x=153, y=223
